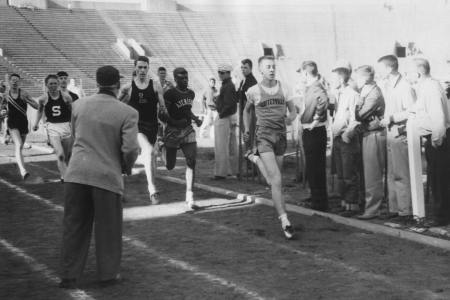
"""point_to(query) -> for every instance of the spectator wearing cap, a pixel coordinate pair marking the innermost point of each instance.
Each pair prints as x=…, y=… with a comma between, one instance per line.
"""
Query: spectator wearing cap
x=105, y=147
x=399, y=98
x=225, y=126
x=369, y=112
x=433, y=121
x=313, y=121
x=346, y=144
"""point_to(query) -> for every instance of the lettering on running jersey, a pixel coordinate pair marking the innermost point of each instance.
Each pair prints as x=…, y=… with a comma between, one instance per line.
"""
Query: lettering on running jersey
x=179, y=103
x=57, y=111
x=274, y=101
x=183, y=102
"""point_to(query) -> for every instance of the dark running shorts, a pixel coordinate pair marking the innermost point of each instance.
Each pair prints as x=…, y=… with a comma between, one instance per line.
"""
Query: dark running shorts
x=149, y=130
x=269, y=140
x=175, y=137
x=20, y=124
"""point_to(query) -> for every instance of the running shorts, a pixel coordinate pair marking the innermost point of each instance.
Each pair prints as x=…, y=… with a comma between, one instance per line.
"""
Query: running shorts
x=175, y=137
x=62, y=130
x=150, y=130
x=269, y=140
x=20, y=124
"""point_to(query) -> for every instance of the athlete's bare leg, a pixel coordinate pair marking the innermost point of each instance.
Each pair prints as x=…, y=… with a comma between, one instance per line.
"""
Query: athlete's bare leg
x=270, y=164
x=190, y=154
x=273, y=166
x=147, y=155
x=67, y=144
x=260, y=165
x=19, y=140
x=55, y=142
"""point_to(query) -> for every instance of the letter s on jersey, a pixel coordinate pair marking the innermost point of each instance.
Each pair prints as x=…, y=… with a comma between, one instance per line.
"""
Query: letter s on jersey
x=56, y=111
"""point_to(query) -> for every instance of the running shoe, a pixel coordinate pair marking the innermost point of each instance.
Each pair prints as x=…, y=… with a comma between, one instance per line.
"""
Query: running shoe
x=154, y=198
x=289, y=232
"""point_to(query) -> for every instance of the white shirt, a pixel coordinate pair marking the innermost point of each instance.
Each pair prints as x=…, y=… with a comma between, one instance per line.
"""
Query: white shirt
x=431, y=110
x=344, y=119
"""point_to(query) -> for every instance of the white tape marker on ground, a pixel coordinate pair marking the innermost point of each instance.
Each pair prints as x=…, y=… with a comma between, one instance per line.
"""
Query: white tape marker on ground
x=171, y=261
x=48, y=274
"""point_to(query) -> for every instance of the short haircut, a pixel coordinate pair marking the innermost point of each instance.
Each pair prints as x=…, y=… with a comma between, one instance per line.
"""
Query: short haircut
x=180, y=70
x=265, y=57
x=390, y=61
x=62, y=73
x=248, y=62
x=310, y=67
x=142, y=58
x=162, y=69
x=51, y=76
x=345, y=72
x=423, y=65
x=14, y=75
x=367, y=71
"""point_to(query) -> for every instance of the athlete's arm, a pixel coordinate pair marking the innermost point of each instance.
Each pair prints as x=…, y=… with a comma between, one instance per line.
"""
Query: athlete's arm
x=124, y=95
x=30, y=100
x=292, y=112
x=68, y=99
x=247, y=118
x=42, y=100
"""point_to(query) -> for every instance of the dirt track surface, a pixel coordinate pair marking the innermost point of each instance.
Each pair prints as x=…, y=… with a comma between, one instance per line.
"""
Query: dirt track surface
x=232, y=254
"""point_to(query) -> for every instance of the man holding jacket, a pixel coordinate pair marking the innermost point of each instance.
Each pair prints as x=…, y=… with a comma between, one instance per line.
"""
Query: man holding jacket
x=225, y=126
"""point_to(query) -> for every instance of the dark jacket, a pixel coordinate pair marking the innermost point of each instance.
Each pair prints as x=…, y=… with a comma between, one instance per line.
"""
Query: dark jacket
x=370, y=108
x=245, y=84
x=316, y=103
x=226, y=102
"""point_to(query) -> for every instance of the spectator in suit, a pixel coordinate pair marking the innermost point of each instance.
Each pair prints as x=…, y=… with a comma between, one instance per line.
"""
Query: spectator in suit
x=105, y=147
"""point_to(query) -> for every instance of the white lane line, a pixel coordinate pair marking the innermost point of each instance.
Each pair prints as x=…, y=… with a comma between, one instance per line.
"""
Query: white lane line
x=141, y=245
x=390, y=281
x=38, y=267
x=179, y=264
x=33, y=196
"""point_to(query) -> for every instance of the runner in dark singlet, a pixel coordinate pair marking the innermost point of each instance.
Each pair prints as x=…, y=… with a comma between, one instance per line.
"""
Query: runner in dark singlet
x=141, y=94
x=17, y=103
x=63, y=78
x=179, y=132
x=57, y=107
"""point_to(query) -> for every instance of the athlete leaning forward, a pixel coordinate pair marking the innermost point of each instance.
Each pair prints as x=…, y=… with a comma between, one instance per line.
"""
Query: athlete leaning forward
x=179, y=133
x=270, y=98
x=56, y=105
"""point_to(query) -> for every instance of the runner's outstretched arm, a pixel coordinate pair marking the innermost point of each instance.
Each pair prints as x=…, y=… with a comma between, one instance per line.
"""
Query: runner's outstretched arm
x=30, y=100
x=41, y=103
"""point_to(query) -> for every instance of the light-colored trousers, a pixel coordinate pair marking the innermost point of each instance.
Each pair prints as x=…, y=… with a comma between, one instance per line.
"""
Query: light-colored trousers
x=399, y=182
x=225, y=146
x=374, y=159
x=208, y=121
